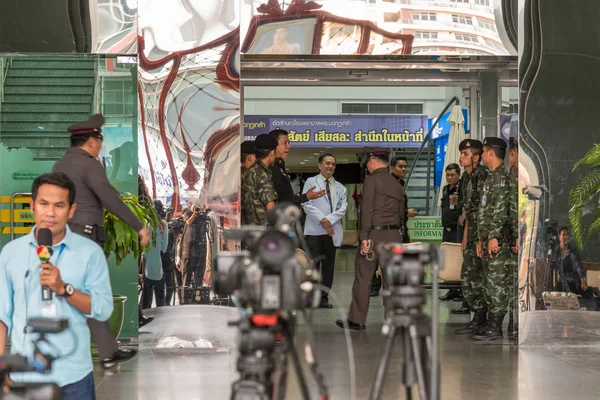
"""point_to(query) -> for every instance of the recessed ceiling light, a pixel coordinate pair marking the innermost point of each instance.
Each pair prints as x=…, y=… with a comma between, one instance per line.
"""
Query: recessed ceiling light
x=302, y=162
x=316, y=154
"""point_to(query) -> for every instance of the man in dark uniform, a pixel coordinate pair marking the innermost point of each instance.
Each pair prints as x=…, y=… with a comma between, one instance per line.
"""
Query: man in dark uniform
x=281, y=179
x=398, y=169
x=381, y=214
x=258, y=191
x=450, y=204
x=94, y=193
x=472, y=279
x=497, y=230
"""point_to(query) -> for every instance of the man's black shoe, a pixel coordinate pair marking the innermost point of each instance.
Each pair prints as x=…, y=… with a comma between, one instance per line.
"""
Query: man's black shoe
x=325, y=303
x=352, y=325
x=452, y=294
x=119, y=356
x=374, y=293
x=145, y=321
x=460, y=310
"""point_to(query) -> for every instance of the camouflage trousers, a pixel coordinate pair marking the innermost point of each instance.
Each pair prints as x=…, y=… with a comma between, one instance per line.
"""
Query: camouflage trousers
x=472, y=279
x=498, y=276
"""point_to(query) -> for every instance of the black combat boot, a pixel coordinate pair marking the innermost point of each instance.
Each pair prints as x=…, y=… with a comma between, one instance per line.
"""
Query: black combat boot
x=513, y=328
x=476, y=323
x=493, y=329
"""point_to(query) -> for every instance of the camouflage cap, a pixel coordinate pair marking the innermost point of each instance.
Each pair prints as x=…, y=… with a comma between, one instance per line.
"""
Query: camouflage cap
x=494, y=141
x=248, y=147
x=470, y=144
x=92, y=125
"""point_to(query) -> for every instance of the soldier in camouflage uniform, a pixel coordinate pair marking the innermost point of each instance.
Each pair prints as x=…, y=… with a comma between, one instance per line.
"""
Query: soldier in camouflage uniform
x=258, y=192
x=497, y=216
x=472, y=270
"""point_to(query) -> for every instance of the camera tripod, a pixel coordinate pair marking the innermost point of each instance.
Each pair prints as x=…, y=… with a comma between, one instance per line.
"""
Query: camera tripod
x=262, y=364
x=413, y=329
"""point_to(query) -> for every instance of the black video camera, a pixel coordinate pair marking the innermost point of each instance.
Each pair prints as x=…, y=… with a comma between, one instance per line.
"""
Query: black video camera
x=40, y=362
x=404, y=267
x=271, y=274
x=551, y=232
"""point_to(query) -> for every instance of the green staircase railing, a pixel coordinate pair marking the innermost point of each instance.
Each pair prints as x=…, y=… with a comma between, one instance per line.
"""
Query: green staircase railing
x=5, y=63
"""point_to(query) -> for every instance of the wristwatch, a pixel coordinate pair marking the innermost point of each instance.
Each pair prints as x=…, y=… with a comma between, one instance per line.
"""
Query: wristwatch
x=69, y=290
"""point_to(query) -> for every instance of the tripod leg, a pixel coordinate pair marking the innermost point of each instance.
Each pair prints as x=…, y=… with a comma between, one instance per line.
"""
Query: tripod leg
x=298, y=368
x=383, y=364
x=408, y=368
x=418, y=361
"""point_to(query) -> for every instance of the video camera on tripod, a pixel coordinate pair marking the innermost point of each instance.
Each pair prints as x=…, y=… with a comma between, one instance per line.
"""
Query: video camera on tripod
x=268, y=282
x=40, y=362
x=405, y=266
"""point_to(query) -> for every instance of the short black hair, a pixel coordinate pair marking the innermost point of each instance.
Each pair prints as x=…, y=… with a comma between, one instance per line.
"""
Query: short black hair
x=453, y=166
x=80, y=140
x=563, y=228
x=398, y=158
x=56, y=179
x=498, y=151
x=322, y=157
x=262, y=154
x=278, y=132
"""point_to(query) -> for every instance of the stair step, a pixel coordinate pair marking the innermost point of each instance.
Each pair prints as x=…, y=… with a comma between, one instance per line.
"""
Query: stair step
x=54, y=64
x=65, y=117
x=49, y=81
x=47, y=89
x=53, y=108
x=50, y=72
x=36, y=143
x=45, y=126
x=47, y=99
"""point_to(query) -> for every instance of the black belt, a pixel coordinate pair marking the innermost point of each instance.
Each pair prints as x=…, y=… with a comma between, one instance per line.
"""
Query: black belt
x=385, y=227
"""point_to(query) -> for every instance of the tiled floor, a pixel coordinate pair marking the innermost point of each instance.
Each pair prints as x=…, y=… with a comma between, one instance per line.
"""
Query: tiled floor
x=188, y=352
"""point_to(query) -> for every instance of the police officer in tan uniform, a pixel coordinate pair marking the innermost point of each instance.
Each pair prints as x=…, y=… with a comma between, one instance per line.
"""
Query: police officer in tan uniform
x=93, y=193
x=382, y=213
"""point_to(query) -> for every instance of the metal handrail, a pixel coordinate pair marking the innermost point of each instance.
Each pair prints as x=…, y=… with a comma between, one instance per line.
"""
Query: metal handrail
x=12, y=211
x=427, y=139
x=96, y=92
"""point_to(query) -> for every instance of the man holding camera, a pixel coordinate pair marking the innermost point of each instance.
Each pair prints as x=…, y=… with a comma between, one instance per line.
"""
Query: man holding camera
x=382, y=213
x=77, y=275
x=497, y=230
x=94, y=194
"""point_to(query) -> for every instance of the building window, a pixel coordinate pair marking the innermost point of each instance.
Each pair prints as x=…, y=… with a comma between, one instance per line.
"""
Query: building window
x=426, y=50
x=482, y=2
x=466, y=38
x=425, y=35
x=117, y=97
x=461, y=19
x=486, y=25
x=473, y=52
x=459, y=1
x=424, y=16
x=382, y=108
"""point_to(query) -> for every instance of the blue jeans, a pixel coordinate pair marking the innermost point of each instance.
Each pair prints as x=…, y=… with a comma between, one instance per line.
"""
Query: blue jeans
x=82, y=390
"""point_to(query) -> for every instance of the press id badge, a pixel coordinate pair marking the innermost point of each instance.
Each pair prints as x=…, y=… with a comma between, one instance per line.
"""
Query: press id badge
x=483, y=200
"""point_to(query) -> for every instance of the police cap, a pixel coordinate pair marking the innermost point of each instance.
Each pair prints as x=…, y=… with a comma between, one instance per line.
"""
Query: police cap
x=513, y=143
x=91, y=126
x=470, y=144
x=494, y=141
x=248, y=147
x=381, y=153
x=265, y=142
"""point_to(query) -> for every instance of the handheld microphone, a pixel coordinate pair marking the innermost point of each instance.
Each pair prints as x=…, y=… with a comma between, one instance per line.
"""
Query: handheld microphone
x=44, y=252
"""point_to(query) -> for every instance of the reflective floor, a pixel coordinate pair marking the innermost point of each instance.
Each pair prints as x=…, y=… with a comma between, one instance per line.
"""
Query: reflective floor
x=188, y=352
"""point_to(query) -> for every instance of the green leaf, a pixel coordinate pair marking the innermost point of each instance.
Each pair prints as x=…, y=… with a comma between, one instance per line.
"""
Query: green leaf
x=595, y=227
x=577, y=229
x=591, y=158
x=585, y=188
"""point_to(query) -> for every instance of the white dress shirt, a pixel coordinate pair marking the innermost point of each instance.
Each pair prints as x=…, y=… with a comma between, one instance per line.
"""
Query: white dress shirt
x=317, y=209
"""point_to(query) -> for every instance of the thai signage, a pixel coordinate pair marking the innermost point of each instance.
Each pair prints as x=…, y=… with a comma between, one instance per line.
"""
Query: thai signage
x=399, y=131
x=423, y=229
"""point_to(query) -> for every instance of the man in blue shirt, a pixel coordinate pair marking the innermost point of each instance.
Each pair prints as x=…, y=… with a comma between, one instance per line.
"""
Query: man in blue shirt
x=154, y=268
x=77, y=274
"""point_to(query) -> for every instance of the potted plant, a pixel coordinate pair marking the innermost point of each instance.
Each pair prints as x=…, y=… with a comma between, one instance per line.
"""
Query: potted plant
x=121, y=239
x=583, y=194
